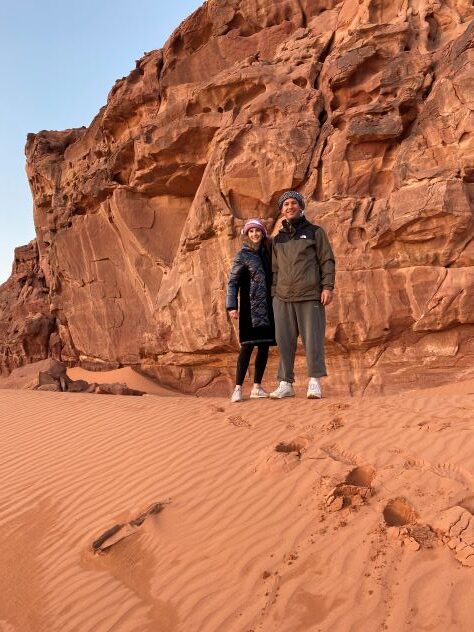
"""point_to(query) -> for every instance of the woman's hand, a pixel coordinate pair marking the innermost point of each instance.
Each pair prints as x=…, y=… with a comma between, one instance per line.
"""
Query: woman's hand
x=233, y=313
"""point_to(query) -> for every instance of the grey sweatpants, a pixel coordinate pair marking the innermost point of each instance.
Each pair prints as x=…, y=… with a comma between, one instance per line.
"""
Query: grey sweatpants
x=305, y=318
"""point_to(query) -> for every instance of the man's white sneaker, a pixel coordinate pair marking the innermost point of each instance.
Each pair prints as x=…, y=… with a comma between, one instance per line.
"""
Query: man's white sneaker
x=237, y=395
x=314, y=389
x=258, y=392
x=285, y=389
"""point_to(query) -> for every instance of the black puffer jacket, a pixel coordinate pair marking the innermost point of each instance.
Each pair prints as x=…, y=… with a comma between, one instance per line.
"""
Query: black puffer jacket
x=250, y=284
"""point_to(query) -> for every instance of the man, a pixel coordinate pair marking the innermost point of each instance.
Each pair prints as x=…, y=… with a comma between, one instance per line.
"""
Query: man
x=303, y=284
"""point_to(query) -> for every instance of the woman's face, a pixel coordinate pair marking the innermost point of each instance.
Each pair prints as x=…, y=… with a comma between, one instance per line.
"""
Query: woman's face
x=255, y=235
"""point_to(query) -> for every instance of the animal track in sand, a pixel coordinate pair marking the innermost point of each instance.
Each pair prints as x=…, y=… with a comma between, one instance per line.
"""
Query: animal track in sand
x=124, y=529
x=354, y=491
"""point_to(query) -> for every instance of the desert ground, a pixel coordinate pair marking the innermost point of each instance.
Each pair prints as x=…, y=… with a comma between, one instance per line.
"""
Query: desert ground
x=179, y=513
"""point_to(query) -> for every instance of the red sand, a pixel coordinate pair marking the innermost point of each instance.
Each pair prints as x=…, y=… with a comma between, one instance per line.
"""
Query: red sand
x=247, y=541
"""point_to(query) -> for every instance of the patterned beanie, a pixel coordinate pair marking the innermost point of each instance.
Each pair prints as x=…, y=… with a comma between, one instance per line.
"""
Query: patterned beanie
x=254, y=223
x=291, y=194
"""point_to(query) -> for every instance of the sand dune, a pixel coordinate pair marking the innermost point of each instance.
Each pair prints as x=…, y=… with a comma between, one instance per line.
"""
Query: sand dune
x=248, y=538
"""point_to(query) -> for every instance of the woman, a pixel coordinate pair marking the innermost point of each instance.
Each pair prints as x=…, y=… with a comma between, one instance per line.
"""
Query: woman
x=251, y=277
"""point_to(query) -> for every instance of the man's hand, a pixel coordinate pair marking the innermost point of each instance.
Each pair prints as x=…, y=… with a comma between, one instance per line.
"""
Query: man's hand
x=233, y=313
x=326, y=297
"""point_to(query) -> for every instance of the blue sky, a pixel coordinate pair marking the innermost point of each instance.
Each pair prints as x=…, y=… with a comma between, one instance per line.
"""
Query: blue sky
x=59, y=60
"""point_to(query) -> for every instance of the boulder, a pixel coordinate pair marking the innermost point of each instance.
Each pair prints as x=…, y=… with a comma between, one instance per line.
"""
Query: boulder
x=53, y=377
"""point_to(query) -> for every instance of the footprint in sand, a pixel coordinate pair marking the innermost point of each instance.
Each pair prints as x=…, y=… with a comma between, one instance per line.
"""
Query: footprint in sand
x=217, y=409
x=285, y=456
x=434, y=426
x=403, y=525
x=334, y=424
x=238, y=421
x=354, y=491
x=455, y=473
x=456, y=529
x=467, y=503
x=298, y=445
x=398, y=512
x=445, y=470
x=125, y=529
x=340, y=454
x=335, y=408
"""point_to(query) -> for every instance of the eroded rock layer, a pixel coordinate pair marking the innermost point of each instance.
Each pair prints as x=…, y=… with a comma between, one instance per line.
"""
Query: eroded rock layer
x=364, y=106
x=27, y=328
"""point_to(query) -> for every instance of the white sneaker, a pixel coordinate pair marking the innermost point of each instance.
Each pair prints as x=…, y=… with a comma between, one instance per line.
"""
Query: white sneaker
x=258, y=392
x=285, y=389
x=237, y=395
x=314, y=389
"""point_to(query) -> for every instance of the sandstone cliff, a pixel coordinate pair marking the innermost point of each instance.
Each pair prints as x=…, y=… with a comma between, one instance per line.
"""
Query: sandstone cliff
x=364, y=106
x=27, y=328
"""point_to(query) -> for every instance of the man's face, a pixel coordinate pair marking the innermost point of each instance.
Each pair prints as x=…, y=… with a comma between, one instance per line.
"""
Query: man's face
x=290, y=209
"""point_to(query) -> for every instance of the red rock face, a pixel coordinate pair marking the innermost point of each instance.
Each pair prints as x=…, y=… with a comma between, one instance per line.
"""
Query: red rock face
x=364, y=106
x=27, y=329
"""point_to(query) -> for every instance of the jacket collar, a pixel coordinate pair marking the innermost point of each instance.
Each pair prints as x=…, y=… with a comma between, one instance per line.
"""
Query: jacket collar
x=249, y=248
x=299, y=221
x=291, y=226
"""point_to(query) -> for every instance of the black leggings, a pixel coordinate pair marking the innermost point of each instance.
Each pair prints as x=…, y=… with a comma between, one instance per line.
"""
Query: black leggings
x=243, y=362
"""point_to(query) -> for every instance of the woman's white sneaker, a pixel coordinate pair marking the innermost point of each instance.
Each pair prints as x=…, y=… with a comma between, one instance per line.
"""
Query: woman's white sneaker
x=258, y=392
x=285, y=389
x=314, y=389
x=237, y=395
